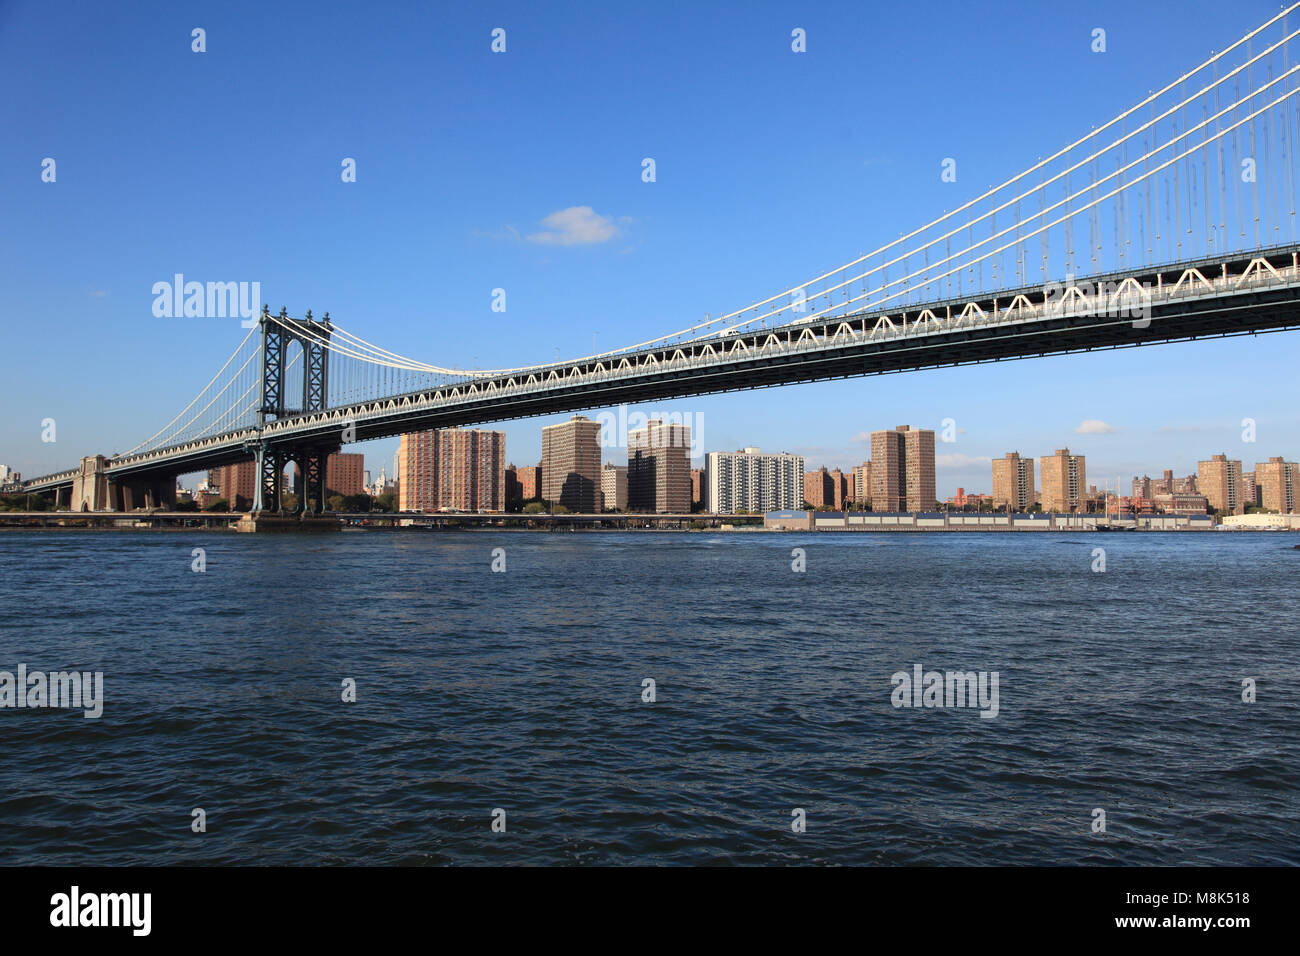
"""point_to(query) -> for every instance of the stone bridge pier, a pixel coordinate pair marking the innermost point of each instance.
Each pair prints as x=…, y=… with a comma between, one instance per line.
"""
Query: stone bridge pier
x=136, y=493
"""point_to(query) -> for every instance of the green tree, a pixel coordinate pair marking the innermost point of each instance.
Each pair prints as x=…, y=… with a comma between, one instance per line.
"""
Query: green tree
x=221, y=504
x=334, y=503
x=534, y=508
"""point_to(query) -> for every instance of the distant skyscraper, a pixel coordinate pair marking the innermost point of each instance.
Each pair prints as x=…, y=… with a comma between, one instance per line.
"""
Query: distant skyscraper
x=753, y=481
x=902, y=470
x=383, y=484
x=1065, y=481
x=698, y=488
x=613, y=487
x=453, y=469
x=1220, y=481
x=659, y=468
x=571, y=464
x=1013, y=482
x=1279, y=484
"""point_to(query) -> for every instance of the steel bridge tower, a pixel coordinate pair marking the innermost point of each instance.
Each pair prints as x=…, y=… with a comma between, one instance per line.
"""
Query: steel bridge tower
x=309, y=458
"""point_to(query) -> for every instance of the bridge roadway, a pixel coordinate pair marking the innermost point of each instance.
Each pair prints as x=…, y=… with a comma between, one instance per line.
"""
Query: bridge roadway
x=1215, y=297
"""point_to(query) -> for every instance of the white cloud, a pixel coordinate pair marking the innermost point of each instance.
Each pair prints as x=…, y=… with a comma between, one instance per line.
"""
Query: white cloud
x=575, y=226
x=1094, y=426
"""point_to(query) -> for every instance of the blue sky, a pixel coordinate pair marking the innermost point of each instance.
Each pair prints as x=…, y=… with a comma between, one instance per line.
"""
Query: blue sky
x=771, y=167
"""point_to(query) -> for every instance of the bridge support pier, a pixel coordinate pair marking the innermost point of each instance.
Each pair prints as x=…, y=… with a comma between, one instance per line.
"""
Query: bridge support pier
x=270, y=477
x=308, y=481
x=142, y=493
x=89, y=490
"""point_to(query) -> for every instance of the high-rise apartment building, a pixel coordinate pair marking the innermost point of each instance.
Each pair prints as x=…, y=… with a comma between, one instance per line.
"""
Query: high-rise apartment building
x=1249, y=488
x=345, y=473
x=861, y=486
x=1220, y=481
x=841, y=490
x=1013, y=482
x=817, y=489
x=1279, y=483
x=1148, y=488
x=236, y=481
x=530, y=482
x=453, y=469
x=659, y=468
x=902, y=469
x=514, y=491
x=749, y=480
x=571, y=464
x=613, y=487
x=698, y=489
x=1065, y=481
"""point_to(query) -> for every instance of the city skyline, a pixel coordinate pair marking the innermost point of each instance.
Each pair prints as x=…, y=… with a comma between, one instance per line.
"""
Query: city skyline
x=970, y=471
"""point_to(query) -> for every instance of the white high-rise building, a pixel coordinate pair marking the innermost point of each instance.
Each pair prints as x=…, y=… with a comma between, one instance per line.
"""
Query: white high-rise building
x=752, y=481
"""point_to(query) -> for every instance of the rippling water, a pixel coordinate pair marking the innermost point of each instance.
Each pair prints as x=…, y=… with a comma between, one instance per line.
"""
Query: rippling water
x=522, y=691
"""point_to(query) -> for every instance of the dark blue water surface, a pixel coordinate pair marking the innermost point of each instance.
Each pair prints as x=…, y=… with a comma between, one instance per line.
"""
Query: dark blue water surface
x=522, y=691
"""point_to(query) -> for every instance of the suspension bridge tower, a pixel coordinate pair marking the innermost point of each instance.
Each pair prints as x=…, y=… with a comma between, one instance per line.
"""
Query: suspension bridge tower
x=309, y=456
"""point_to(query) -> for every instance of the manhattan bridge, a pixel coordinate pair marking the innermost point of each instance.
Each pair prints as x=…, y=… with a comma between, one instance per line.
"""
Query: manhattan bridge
x=1175, y=220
